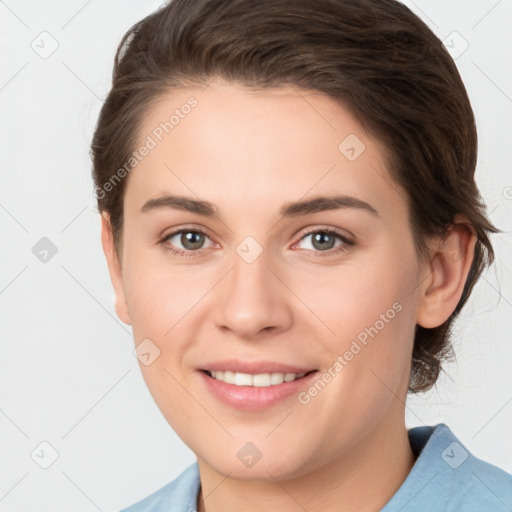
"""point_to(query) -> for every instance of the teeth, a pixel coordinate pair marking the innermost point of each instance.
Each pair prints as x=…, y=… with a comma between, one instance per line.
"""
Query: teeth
x=261, y=380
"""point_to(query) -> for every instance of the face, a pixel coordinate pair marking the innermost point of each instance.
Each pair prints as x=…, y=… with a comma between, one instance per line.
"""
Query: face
x=250, y=284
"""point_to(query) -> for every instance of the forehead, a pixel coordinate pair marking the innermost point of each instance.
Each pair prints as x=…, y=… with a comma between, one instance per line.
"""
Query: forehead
x=233, y=144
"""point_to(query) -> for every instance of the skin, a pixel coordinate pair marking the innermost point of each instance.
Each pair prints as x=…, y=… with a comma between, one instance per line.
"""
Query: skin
x=249, y=153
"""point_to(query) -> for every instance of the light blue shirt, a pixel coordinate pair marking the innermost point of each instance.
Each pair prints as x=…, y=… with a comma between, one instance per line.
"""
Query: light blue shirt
x=445, y=477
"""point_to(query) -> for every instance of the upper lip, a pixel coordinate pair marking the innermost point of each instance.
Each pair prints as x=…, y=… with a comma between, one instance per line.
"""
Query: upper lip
x=254, y=367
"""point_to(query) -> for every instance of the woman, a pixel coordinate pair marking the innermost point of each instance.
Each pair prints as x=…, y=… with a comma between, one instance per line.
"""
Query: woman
x=238, y=139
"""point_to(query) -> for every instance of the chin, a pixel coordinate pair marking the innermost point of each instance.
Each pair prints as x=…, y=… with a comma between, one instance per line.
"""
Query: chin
x=266, y=468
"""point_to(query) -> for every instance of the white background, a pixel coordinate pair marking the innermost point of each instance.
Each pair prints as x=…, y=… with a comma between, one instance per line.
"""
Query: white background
x=67, y=373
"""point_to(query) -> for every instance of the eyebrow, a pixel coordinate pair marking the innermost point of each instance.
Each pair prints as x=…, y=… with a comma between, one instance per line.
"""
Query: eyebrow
x=292, y=209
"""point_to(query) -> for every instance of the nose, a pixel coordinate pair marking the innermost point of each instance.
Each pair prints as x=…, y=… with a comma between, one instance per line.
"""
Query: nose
x=253, y=300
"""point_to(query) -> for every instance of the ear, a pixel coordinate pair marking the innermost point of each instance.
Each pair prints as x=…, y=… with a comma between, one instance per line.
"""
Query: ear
x=114, y=268
x=448, y=271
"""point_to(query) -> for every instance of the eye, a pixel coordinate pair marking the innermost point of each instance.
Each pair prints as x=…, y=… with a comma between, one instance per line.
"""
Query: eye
x=192, y=240
x=323, y=241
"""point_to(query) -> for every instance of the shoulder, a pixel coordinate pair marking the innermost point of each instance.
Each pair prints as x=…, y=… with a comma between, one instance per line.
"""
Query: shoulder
x=178, y=495
x=475, y=483
x=447, y=476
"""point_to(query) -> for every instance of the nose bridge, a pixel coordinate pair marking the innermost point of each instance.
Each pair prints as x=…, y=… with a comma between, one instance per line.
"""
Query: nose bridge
x=253, y=298
x=250, y=274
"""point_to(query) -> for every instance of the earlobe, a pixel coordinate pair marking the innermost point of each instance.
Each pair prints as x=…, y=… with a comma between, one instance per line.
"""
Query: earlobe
x=448, y=269
x=114, y=268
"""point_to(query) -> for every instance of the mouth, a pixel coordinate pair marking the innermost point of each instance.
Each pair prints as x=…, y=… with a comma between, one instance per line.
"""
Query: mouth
x=254, y=385
x=255, y=392
x=259, y=380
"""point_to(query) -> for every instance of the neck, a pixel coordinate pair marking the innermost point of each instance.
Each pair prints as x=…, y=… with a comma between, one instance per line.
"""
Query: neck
x=362, y=480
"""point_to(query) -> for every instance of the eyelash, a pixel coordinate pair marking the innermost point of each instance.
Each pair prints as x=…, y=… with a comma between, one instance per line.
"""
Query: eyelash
x=330, y=252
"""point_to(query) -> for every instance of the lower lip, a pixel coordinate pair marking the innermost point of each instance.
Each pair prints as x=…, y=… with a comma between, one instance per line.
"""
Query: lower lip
x=253, y=398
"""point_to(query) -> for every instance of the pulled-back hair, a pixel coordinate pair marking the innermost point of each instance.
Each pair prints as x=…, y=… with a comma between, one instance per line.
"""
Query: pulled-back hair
x=374, y=57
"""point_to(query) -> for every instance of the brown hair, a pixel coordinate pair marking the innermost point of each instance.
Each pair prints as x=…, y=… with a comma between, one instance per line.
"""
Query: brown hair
x=375, y=57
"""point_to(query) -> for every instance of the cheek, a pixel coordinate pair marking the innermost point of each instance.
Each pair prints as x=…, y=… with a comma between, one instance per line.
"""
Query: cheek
x=370, y=312
x=352, y=298
x=161, y=301
x=160, y=295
